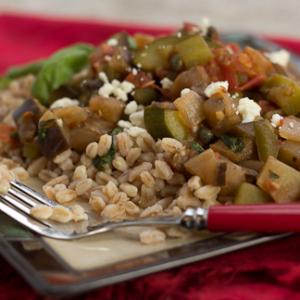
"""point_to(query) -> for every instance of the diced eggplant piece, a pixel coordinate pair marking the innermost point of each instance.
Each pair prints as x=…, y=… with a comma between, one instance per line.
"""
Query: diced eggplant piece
x=283, y=91
x=244, y=130
x=289, y=153
x=280, y=181
x=89, y=132
x=145, y=96
x=195, y=78
x=190, y=108
x=235, y=156
x=266, y=139
x=250, y=194
x=111, y=108
x=290, y=129
x=71, y=115
x=52, y=138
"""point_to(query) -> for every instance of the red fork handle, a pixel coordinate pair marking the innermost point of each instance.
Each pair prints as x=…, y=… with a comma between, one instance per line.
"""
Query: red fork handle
x=254, y=218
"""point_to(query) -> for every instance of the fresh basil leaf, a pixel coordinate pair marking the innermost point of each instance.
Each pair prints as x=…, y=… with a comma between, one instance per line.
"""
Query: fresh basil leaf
x=59, y=69
x=236, y=144
x=20, y=71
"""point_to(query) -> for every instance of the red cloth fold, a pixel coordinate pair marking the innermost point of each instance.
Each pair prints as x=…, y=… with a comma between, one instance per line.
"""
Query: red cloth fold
x=265, y=272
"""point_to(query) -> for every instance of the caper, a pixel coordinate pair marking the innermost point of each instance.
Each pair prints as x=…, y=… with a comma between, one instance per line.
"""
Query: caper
x=205, y=135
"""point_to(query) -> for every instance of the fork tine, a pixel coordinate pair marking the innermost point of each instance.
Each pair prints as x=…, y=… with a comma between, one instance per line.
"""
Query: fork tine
x=26, y=199
x=31, y=193
x=11, y=200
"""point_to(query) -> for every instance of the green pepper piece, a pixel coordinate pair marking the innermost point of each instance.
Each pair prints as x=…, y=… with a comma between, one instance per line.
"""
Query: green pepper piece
x=161, y=123
x=251, y=194
x=283, y=91
x=266, y=140
x=145, y=96
x=194, y=51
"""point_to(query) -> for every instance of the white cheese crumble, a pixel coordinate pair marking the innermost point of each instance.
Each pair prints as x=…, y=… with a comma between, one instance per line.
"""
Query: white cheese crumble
x=124, y=124
x=112, y=42
x=118, y=89
x=280, y=57
x=130, y=108
x=276, y=120
x=60, y=122
x=249, y=110
x=134, y=71
x=185, y=91
x=204, y=24
x=216, y=87
x=64, y=102
x=137, y=119
x=166, y=83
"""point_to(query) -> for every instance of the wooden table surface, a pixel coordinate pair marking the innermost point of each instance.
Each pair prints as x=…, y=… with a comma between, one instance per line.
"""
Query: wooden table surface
x=257, y=16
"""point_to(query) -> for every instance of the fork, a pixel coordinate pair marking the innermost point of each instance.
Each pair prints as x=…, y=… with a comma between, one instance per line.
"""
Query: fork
x=267, y=218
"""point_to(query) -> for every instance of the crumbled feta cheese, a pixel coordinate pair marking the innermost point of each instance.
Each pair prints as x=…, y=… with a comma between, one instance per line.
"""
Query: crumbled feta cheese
x=249, y=110
x=64, y=102
x=124, y=124
x=216, y=87
x=204, y=24
x=112, y=42
x=118, y=89
x=280, y=57
x=130, y=108
x=139, y=65
x=134, y=71
x=185, y=91
x=107, y=58
x=166, y=83
x=137, y=118
x=276, y=120
x=179, y=34
x=135, y=131
x=291, y=125
x=60, y=122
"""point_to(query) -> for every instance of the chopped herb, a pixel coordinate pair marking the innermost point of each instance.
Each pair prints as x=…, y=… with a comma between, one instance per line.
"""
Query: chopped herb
x=105, y=160
x=273, y=175
x=197, y=147
x=236, y=144
x=116, y=130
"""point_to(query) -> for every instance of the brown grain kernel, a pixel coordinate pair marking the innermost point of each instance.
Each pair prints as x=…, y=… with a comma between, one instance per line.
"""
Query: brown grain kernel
x=129, y=189
x=133, y=155
x=147, y=178
x=163, y=170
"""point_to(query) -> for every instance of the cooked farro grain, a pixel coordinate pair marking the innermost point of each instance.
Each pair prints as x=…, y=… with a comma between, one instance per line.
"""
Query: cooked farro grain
x=147, y=179
x=104, y=144
x=60, y=158
x=207, y=192
x=46, y=175
x=92, y=150
x=60, y=179
x=110, y=189
x=130, y=190
x=83, y=186
x=124, y=143
x=80, y=172
x=165, y=202
x=177, y=179
x=147, y=156
x=75, y=157
x=159, y=184
x=119, y=197
x=194, y=183
x=4, y=186
x=79, y=213
x=171, y=145
x=91, y=172
x=152, y=211
x=61, y=214
x=20, y=173
x=86, y=161
x=136, y=171
x=42, y=212
x=176, y=232
x=97, y=202
x=120, y=163
x=163, y=170
x=133, y=155
x=123, y=177
x=67, y=165
x=169, y=190
x=131, y=209
x=49, y=192
x=36, y=166
x=59, y=187
x=103, y=177
x=114, y=212
x=152, y=236
x=64, y=196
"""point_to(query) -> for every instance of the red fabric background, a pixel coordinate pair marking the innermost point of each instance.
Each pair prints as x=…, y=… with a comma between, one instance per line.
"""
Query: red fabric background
x=265, y=272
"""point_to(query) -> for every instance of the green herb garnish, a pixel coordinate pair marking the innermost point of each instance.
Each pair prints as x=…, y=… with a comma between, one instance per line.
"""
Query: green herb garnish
x=59, y=69
x=236, y=144
x=197, y=147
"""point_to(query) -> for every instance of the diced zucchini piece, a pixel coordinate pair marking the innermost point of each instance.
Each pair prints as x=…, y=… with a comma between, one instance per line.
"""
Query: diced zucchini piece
x=266, y=140
x=280, y=181
x=194, y=51
x=161, y=123
x=283, y=91
x=290, y=129
x=250, y=194
x=235, y=156
x=289, y=153
x=190, y=108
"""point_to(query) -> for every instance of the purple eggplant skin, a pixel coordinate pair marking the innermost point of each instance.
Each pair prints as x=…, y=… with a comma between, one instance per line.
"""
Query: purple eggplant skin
x=26, y=118
x=52, y=138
